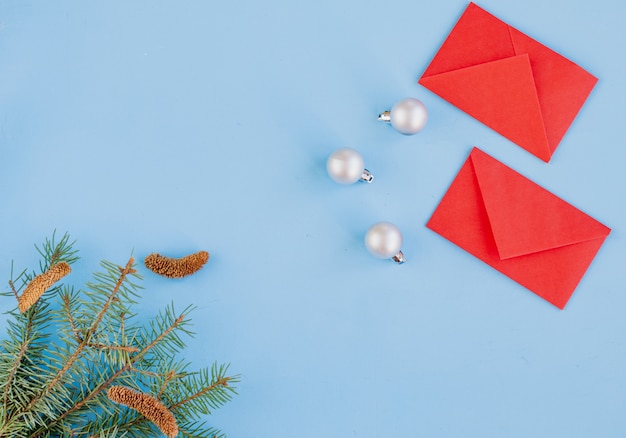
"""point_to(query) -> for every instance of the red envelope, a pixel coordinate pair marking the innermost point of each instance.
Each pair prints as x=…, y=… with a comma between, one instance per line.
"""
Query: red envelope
x=508, y=81
x=518, y=228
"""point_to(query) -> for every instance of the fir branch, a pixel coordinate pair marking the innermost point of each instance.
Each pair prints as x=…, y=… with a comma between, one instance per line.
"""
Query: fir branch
x=53, y=252
x=199, y=430
x=124, y=272
x=66, y=304
x=29, y=331
x=115, y=348
x=59, y=387
x=24, y=279
x=221, y=383
x=80, y=337
x=18, y=361
x=168, y=378
x=209, y=389
x=128, y=367
x=12, y=286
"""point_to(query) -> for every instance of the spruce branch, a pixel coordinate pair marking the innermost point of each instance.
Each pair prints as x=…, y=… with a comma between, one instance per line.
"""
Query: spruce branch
x=24, y=351
x=170, y=376
x=59, y=362
x=222, y=382
x=17, y=362
x=12, y=286
x=53, y=252
x=104, y=385
x=128, y=269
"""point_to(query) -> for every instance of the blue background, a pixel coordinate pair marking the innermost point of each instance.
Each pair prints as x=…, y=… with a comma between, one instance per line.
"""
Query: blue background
x=171, y=127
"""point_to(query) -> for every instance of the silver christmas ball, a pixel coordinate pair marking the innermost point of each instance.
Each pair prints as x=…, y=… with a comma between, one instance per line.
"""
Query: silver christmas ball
x=383, y=240
x=409, y=116
x=345, y=166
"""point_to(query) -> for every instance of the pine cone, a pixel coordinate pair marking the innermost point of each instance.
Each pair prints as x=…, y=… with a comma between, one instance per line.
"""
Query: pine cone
x=40, y=284
x=176, y=268
x=146, y=405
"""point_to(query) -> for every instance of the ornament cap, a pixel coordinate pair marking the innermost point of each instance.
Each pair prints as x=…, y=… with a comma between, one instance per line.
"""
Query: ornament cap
x=399, y=258
x=366, y=176
x=385, y=116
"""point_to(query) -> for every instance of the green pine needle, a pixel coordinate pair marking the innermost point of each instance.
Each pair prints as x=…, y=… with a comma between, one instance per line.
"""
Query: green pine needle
x=59, y=358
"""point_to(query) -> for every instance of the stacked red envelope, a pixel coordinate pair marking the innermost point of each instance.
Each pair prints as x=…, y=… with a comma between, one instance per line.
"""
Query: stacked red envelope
x=508, y=81
x=518, y=228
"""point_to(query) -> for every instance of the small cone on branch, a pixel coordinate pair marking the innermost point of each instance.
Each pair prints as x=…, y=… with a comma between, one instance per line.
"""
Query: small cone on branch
x=146, y=405
x=40, y=284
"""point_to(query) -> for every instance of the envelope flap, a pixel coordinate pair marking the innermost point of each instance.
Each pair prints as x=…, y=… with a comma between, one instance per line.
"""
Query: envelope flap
x=562, y=86
x=502, y=95
x=477, y=37
x=524, y=217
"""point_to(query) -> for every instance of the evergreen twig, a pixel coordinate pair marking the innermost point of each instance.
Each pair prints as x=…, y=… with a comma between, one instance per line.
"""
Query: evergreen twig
x=56, y=366
x=84, y=343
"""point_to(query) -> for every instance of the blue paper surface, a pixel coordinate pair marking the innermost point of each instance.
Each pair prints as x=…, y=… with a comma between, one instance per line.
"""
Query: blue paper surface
x=173, y=127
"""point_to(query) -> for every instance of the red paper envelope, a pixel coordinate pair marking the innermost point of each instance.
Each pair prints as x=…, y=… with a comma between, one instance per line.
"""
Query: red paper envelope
x=508, y=81
x=518, y=228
